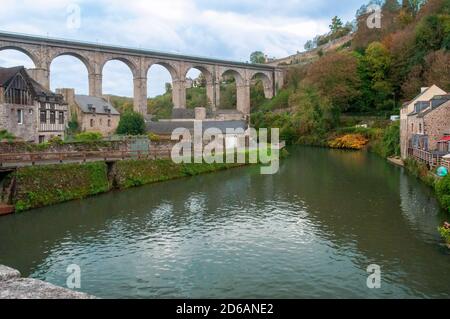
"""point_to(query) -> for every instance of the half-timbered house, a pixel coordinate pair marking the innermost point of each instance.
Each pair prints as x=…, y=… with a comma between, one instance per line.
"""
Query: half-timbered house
x=28, y=110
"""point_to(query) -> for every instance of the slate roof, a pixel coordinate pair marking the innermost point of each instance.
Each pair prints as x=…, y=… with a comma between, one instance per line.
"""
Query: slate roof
x=8, y=74
x=431, y=109
x=85, y=103
x=166, y=128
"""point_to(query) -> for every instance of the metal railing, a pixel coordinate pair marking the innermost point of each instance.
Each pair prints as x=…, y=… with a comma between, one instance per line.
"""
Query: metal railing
x=445, y=163
x=432, y=160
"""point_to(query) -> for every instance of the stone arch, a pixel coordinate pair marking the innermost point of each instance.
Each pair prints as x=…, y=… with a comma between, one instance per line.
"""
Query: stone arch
x=85, y=60
x=131, y=65
x=267, y=82
x=238, y=76
x=177, y=81
x=73, y=54
x=28, y=53
x=206, y=98
x=120, y=75
x=168, y=66
x=242, y=89
x=208, y=74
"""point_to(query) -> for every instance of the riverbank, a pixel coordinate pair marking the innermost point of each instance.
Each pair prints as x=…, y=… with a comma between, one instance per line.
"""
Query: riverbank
x=39, y=186
x=13, y=286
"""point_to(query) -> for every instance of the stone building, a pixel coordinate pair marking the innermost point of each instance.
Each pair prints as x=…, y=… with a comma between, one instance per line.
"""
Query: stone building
x=429, y=123
x=425, y=95
x=94, y=114
x=28, y=110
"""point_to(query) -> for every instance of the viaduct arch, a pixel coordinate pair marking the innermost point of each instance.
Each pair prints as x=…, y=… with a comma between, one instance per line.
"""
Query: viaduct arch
x=42, y=51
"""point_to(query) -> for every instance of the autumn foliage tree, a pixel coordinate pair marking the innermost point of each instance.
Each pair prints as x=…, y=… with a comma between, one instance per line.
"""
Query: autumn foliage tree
x=336, y=77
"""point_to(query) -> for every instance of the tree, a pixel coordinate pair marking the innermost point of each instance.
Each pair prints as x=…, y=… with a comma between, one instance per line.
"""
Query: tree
x=431, y=33
x=131, y=123
x=374, y=70
x=73, y=126
x=413, y=6
x=365, y=35
x=336, y=77
x=201, y=80
x=434, y=70
x=257, y=57
x=168, y=87
x=336, y=24
x=437, y=69
x=309, y=45
x=314, y=113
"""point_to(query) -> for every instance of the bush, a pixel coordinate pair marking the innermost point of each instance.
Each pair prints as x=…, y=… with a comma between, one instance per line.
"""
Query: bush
x=5, y=135
x=421, y=171
x=279, y=101
x=56, y=140
x=131, y=123
x=154, y=137
x=442, y=187
x=88, y=137
x=391, y=140
x=445, y=233
x=349, y=141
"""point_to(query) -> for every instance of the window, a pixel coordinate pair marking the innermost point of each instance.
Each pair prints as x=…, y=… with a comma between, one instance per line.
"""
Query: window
x=41, y=139
x=19, y=116
x=412, y=127
x=92, y=122
x=101, y=122
x=109, y=123
x=61, y=117
x=52, y=117
x=420, y=128
x=43, y=116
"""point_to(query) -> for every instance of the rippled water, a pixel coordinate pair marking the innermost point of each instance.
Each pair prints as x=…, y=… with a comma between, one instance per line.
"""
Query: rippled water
x=309, y=231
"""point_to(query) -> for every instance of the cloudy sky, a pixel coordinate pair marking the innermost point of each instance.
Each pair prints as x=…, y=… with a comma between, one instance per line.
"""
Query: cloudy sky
x=229, y=30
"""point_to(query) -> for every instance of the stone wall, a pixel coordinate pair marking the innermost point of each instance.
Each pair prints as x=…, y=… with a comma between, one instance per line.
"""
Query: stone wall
x=23, y=147
x=26, y=131
x=102, y=123
x=437, y=124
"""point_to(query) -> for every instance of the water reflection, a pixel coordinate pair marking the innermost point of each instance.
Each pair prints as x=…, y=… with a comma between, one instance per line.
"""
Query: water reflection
x=309, y=231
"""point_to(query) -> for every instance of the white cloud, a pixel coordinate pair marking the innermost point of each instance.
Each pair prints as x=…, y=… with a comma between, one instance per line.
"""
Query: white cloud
x=228, y=30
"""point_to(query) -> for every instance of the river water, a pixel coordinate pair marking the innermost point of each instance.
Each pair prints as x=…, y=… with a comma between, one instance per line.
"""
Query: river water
x=309, y=231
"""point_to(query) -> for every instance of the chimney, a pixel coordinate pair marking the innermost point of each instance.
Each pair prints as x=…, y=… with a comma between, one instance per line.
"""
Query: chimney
x=68, y=94
x=423, y=89
x=33, y=73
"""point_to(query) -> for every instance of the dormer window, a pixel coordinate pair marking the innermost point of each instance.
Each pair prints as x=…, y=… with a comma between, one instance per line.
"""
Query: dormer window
x=420, y=106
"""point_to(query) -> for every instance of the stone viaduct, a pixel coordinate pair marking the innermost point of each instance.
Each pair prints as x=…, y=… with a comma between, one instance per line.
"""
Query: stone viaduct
x=42, y=51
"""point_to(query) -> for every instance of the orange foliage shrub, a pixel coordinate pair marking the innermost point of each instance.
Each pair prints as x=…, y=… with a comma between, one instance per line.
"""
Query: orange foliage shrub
x=349, y=141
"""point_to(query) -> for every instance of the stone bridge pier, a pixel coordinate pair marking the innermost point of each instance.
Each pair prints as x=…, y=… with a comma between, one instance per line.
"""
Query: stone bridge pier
x=42, y=51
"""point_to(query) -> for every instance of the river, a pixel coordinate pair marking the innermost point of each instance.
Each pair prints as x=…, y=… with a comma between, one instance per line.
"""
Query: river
x=309, y=231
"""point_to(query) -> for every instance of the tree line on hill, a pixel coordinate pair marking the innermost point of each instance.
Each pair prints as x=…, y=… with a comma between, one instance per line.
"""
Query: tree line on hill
x=381, y=68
